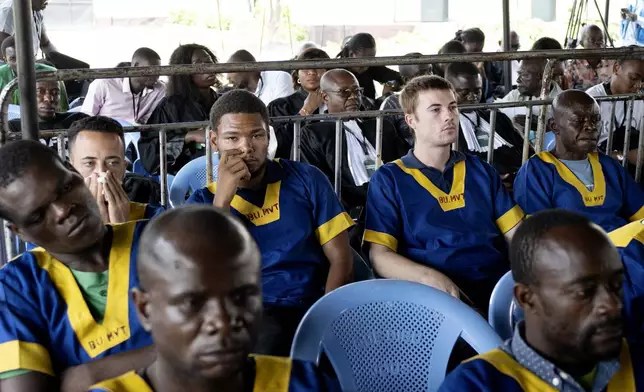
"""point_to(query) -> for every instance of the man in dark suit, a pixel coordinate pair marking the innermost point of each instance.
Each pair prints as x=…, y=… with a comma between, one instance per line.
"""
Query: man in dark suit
x=342, y=93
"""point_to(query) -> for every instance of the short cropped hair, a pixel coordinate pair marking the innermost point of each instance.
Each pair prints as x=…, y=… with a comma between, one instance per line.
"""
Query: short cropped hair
x=19, y=156
x=99, y=124
x=461, y=69
x=409, y=94
x=9, y=42
x=237, y=101
x=529, y=236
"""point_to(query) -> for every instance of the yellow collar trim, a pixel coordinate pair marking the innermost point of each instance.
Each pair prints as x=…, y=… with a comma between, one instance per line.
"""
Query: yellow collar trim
x=272, y=373
x=115, y=329
x=259, y=216
x=453, y=200
x=137, y=211
x=590, y=199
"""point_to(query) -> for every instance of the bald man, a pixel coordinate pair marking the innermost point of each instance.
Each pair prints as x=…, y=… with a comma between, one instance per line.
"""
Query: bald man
x=342, y=93
x=266, y=85
x=128, y=99
x=569, y=284
x=574, y=175
x=581, y=74
x=200, y=298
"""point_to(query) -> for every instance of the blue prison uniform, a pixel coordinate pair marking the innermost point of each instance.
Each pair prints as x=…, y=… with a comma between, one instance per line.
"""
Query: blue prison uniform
x=272, y=374
x=544, y=182
x=499, y=371
x=291, y=216
x=45, y=323
x=452, y=221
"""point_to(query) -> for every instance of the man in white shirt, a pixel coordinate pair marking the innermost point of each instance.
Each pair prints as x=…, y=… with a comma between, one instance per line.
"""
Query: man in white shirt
x=266, y=85
x=128, y=99
x=528, y=88
x=40, y=37
x=627, y=78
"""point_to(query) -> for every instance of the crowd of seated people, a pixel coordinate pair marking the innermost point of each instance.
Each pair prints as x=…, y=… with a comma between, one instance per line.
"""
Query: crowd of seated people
x=271, y=236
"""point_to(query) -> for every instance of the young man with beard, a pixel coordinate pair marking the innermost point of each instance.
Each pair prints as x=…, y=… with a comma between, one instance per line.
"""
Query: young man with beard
x=289, y=208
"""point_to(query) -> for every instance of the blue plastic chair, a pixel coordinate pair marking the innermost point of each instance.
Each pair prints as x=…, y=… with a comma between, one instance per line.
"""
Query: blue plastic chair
x=389, y=335
x=503, y=312
x=190, y=178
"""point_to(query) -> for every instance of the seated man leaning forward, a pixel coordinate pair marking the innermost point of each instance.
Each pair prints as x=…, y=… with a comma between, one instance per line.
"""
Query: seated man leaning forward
x=97, y=151
x=64, y=308
x=569, y=284
x=437, y=216
x=200, y=297
x=289, y=208
x=574, y=176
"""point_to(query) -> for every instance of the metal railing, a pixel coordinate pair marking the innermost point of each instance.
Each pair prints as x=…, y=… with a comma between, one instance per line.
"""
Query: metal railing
x=551, y=56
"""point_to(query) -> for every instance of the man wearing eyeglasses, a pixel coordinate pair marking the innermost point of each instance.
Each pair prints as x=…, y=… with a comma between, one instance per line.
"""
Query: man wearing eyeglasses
x=582, y=74
x=342, y=93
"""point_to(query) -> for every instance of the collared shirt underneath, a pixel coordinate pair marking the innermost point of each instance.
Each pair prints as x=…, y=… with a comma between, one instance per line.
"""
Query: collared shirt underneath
x=477, y=133
x=359, y=150
x=548, y=372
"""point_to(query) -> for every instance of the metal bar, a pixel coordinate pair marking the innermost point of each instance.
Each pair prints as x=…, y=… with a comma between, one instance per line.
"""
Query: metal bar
x=379, y=126
x=208, y=156
x=60, y=144
x=611, y=128
x=23, y=12
x=297, y=135
x=219, y=68
x=8, y=242
x=337, y=172
x=7, y=92
x=627, y=132
x=163, y=168
x=492, y=136
x=507, y=65
x=545, y=93
x=526, y=135
x=640, y=153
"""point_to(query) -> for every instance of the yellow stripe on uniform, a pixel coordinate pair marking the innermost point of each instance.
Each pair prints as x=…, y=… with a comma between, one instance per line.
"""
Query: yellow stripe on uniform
x=129, y=382
x=333, y=227
x=624, y=235
x=17, y=355
x=639, y=215
x=137, y=211
x=272, y=374
x=384, y=239
x=510, y=219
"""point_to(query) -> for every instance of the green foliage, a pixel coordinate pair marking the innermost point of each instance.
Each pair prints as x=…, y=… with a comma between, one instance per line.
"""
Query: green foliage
x=183, y=17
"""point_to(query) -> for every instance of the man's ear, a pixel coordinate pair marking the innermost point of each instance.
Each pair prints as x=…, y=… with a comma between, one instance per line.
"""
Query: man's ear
x=410, y=120
x=553, y=125
x=525, y=297
x=325, y=97
x=142, y=305
x=212, y=134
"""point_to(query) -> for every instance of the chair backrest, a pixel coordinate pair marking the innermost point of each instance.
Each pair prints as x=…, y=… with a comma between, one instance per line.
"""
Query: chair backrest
x=190, y=178
x=389, y=335
x=503, y=312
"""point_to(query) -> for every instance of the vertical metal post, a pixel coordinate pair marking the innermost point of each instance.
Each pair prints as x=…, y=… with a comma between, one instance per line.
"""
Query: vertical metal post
x=163, y=167
x=545, y=93
x=379, y=126
x=208, y=157
x=526, y=135
x=337, y=173
x=606, y=14
x=22, y=20
x=490, y=142
x=611, y=129
x=297, y=135
x=507, y=65
x=627, y=131
x=640, y=153
x=8, y=241
x=60, y=144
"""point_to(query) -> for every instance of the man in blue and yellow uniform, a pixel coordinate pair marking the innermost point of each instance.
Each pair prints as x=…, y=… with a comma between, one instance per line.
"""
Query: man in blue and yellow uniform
x=569, y=284
x=629, y=241
x=437, y=216
x=201, y=299
x=97, y=151
x=574, y=176
x=65, y=304
x=289, y=208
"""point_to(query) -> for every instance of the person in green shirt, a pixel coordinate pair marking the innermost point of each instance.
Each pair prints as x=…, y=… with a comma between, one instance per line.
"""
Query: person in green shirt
x=9, y=71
